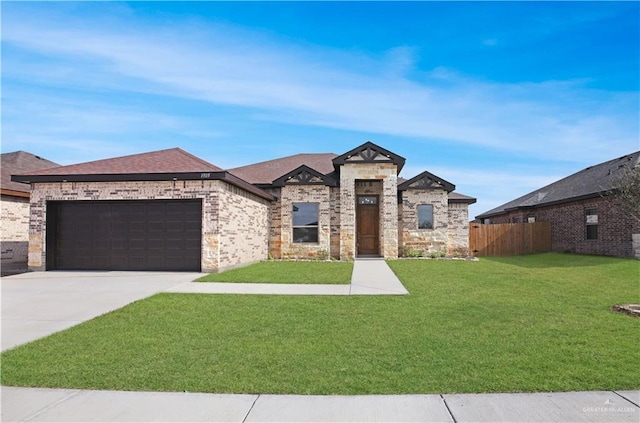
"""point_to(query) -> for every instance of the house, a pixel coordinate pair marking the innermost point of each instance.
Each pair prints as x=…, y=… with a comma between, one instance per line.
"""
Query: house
x=583, y=219
x=14, y=209
x=169, y=210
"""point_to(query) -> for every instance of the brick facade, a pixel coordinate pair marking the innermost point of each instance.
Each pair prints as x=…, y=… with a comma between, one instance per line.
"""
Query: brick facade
x=15, y=233
x=243, y=228
x=234, y=223
x=569, y=232
x=242, y=224
x=458, y=230
x=319, y=194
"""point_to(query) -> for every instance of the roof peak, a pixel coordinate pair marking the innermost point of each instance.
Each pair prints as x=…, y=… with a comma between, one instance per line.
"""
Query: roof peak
x=369, y=153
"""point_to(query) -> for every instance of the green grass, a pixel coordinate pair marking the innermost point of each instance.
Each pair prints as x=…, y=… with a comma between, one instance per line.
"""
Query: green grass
x=522, y=324
x=304, y=272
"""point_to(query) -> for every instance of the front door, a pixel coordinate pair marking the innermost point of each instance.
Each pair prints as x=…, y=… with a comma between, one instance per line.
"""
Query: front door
x=368, y=225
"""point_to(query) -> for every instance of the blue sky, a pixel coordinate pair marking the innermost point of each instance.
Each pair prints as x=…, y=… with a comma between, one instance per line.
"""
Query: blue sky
x=499, y=98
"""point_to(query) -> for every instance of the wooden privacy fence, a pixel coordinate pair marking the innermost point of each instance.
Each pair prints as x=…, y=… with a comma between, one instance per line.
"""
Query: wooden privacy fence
x=509, y=239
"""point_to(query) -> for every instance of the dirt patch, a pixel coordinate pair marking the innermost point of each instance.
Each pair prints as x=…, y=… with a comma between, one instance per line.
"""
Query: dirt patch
x=630, y=309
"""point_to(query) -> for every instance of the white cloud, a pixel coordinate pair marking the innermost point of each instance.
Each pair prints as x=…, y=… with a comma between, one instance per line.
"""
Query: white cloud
x=312, y=85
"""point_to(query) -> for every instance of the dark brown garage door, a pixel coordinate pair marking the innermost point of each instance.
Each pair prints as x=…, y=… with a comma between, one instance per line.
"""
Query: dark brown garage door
x=124, y=235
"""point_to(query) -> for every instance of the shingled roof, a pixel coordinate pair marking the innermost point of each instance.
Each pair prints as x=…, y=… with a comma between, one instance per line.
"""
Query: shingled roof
x=173, y=160
x=456, y=197
x=20, y=162
x=588, y=183
x=172, y=164
x=264, y=173
x=177, y=164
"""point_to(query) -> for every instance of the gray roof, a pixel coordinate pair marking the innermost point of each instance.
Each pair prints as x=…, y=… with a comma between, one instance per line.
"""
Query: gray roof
x=588, y=183
x=456, y=197
x=21, y=162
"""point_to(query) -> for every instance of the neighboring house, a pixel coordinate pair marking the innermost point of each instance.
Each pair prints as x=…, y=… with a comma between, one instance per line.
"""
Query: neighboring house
x=14, y=209
x=583, y=220
x=169, y=210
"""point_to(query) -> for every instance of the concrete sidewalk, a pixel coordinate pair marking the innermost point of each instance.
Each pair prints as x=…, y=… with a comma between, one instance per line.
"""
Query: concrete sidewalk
x=68, y=405
x=369, y=277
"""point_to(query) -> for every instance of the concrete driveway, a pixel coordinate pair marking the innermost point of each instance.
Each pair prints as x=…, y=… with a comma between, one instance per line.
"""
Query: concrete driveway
x=38, y=304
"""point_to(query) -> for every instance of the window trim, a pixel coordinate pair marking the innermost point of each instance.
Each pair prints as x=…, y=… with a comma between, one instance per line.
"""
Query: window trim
x=433, y=223
x=316, y=226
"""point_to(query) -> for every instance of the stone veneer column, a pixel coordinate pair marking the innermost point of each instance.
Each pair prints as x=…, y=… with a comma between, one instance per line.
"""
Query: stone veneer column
x=388, y=174
x=347, y=213
x=389, y=216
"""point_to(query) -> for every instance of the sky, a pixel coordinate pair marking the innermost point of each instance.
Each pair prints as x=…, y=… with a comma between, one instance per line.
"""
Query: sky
x=498, y=98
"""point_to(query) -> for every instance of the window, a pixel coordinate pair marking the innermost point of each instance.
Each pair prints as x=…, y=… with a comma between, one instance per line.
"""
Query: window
x=367, y=200
x=591, y=221
x=305, y=222
x=425, y=216
x=531, y=219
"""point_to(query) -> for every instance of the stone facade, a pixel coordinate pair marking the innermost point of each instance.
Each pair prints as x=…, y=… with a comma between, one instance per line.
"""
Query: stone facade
x=337, y=211
x=425, y=241
x=568, y=227
x=234, y=223
x=388, y=175
x=15, y=233
x=319, y=194
x=334, y=208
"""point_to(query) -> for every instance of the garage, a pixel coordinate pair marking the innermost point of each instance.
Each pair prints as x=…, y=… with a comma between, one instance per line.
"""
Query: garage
x=162, y=235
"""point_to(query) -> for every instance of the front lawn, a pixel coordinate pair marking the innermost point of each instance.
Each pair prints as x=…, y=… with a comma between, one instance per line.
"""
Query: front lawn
x=522, y=324
x=305, y=272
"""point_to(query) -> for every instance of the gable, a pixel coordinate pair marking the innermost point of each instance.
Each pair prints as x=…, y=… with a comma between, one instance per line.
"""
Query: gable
x=369, y=153
x=304, y=175
x=426, y=180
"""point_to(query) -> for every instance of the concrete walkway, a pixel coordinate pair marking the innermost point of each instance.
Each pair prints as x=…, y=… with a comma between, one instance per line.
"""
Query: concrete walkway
x=68, y=405
x=370, y=277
